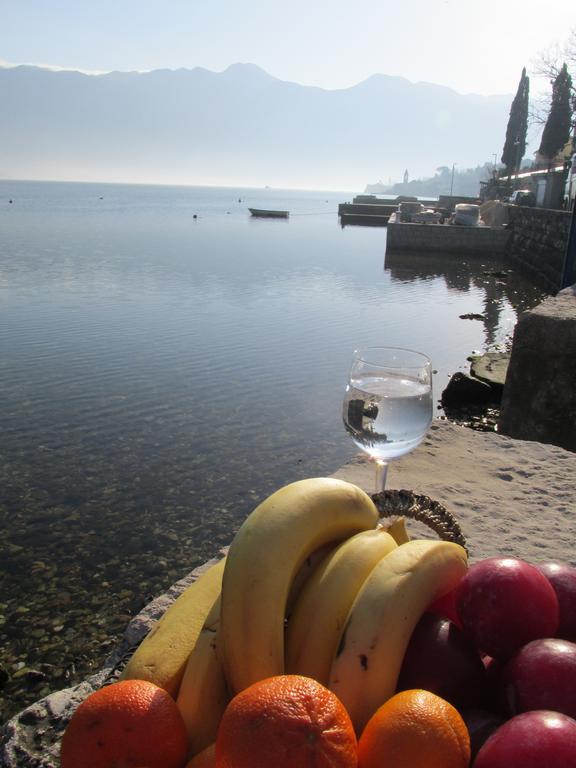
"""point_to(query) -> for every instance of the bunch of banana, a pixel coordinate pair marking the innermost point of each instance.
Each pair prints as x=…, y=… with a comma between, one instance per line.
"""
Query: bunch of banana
x=311, y=585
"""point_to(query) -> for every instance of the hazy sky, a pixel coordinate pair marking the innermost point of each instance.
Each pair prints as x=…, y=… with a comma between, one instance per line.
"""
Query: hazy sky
x=477, y=47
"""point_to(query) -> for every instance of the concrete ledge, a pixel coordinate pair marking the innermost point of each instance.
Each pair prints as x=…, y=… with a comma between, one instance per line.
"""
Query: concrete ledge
x=363, y=219
x=370, y=209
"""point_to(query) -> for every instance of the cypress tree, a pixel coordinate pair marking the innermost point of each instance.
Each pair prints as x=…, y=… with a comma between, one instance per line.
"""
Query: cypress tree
x=557, y=129
x=515, y=143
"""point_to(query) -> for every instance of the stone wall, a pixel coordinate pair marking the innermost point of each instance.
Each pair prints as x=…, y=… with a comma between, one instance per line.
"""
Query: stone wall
x=538, y=238
x=446, y=238
x=539, y=399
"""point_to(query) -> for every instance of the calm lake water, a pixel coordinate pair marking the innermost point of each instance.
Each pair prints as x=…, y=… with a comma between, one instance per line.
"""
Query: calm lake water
x=160, y=374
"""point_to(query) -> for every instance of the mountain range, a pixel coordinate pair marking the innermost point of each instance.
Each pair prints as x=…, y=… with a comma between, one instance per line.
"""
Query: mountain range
x=239, y=127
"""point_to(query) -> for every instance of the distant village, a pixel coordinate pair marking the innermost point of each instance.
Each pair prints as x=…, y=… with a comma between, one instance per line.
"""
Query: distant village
x=552, y=185
x=548, y=181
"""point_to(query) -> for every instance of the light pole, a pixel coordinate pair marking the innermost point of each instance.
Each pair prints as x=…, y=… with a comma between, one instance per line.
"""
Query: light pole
x=452, y=180
x=569, y=269
x=517, y=158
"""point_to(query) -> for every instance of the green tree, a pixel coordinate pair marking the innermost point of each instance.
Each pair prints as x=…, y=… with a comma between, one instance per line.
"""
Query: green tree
x=515, y=142
x=557, y=129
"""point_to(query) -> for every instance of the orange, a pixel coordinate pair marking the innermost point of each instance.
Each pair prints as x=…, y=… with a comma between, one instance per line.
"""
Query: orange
x=415, y=729
x=286, y=721
x=128, y=724
x=204, y=759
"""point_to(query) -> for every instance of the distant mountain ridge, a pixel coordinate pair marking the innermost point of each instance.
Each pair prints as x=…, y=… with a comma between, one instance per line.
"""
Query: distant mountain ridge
x=237, y=127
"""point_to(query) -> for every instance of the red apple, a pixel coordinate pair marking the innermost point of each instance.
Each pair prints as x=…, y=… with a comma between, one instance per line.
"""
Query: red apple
x=538, y=739
x=441, y=659
x=445, y=606
x=503, y=603
x=563, y=579
x=541, y=675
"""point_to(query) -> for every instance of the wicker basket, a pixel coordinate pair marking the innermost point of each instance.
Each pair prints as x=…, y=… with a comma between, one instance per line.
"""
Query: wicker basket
x=422, y=508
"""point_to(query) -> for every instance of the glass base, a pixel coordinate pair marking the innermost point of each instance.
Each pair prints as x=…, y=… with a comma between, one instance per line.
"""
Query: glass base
x=381, y=474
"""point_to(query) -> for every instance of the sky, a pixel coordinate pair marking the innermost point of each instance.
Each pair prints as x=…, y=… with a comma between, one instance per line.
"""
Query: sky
x=469, y=46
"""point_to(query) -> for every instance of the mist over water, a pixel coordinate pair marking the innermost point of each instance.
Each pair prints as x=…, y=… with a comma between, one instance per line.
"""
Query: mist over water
x=166, y=361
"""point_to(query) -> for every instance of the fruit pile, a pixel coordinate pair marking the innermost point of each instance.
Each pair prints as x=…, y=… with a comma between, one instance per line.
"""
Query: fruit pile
x=325, y=639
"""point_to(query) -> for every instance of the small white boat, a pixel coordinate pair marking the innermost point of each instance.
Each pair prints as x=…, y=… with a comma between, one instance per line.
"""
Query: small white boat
x=268, y=213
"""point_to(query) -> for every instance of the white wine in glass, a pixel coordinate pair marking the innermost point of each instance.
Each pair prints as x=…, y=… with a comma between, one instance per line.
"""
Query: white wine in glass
x=388, y=403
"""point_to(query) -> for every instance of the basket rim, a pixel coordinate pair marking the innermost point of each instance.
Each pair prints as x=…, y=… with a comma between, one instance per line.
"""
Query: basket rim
x=419, y=507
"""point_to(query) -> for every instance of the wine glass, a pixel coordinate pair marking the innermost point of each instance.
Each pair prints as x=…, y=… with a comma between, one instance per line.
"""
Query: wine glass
x=388, y=403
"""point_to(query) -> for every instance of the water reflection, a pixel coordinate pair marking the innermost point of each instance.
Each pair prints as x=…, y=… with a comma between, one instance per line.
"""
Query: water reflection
x=498, y=284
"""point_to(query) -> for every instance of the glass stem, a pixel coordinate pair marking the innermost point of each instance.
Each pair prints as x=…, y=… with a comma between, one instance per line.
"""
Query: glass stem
x=381, y=473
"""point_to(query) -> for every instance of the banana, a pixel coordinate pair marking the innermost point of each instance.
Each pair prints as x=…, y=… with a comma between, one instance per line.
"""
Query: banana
x=203, y=695
x=263, y=560
x=305, y=571
x=161, y=657
x=402, y=585
x=319, y=615
x=397, y=529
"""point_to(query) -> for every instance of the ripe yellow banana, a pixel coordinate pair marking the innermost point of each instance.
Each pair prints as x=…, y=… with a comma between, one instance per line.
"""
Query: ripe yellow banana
x=161, y=657
x=203, y=695
x=305, y=571
x=397, y=529
x=319, y=615
x=263, y=560
x=390, y=603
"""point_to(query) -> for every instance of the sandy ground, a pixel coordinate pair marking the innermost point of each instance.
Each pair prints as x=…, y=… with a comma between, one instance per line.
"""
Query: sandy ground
x=511, y=497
